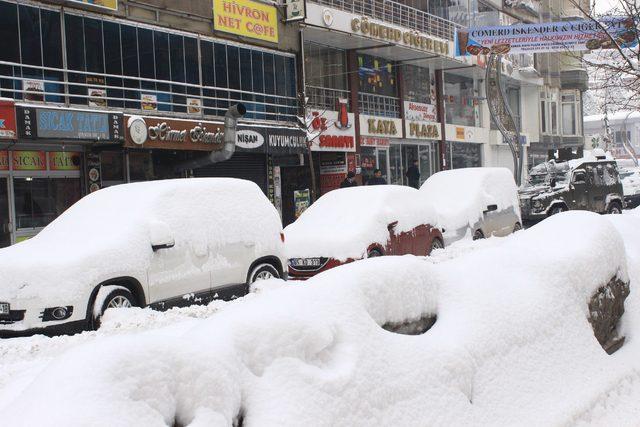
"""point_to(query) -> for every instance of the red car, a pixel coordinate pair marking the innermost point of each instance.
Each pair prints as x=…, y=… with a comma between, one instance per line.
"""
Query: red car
x=360, y=222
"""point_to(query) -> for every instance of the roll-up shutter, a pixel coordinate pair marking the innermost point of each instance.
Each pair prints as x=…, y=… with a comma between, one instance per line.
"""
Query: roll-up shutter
x=249, y=166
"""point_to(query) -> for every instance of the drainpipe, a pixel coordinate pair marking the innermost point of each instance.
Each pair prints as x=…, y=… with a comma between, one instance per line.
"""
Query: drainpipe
x=229, y=138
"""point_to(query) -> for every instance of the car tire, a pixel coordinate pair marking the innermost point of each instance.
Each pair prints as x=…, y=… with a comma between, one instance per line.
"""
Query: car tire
x=556, y=210
x=374, y=253
x=517, y=227
x=478, y=235
x=614, y=208
x=263, y=272
x=117, y=298
x=436, y=244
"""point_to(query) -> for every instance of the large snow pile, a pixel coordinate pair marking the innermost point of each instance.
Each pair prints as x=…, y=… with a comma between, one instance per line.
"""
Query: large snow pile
x=343, y=223
x=107, y=233
x=460, y=196
x=511, y=346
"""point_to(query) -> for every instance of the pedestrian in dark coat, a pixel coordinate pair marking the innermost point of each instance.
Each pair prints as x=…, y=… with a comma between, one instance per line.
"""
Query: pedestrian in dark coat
x=413, y=175
x=350, y=180
x=377, y=178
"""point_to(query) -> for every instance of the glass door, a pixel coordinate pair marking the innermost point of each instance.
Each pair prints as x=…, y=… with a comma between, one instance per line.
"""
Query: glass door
x=426, y=171
x=5, y=221
x=383, y=162
x=409, y=155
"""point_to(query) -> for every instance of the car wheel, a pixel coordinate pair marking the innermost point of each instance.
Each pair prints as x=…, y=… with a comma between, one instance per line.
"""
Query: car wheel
x=517, y=227
x=615, y=209
x=374, y=253
x=116, y=298
x=436, y=244
x=556, y=210
x=478, y=235
x=263, y=272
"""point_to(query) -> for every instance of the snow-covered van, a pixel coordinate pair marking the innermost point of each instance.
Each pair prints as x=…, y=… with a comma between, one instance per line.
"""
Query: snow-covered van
x=159, y=244
x=359, y=222
x=591, y=183
x=473, y=203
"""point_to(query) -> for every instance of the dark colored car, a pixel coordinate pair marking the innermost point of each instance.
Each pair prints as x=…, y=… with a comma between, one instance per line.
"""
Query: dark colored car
x=583, y=184
x=362, y=222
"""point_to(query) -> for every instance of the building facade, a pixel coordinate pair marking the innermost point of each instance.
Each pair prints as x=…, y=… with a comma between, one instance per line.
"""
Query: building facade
x=96, y=94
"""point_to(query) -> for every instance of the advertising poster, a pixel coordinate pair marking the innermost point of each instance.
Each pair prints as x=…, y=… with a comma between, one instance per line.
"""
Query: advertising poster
x=64, y=161
x=301, y=200
x=29, y=160
x=574, y=36
x=246, y=18
x=34, y=90
x=97, y=97
x=194, y=105
x=333, y=170
x=149, y=102
x=107, y=4
x=94, y=172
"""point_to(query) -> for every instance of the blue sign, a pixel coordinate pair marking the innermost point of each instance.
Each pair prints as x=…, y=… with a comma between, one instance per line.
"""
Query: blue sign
x=70, y=124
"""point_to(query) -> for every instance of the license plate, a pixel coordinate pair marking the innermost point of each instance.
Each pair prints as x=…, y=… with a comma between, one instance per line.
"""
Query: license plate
x=4, y=308
x=306, y=262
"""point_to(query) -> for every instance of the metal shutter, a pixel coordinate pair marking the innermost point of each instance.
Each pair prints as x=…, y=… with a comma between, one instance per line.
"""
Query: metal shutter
x=249, y=166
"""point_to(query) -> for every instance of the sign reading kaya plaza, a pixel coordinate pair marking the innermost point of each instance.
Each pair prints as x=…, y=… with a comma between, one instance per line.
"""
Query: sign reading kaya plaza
x=160, y=132
x=547, y=37
x=380, y=126
x=43, y=123
x=246, y=18
x=421, y=121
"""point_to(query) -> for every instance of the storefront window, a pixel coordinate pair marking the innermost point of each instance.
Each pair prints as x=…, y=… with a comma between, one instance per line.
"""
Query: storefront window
x=112, y=165
x=417, y=84
x=38, y=201
x=377, y=76
x=140, y=166
x=464, y=155
x=325, y=66
x=459, y=100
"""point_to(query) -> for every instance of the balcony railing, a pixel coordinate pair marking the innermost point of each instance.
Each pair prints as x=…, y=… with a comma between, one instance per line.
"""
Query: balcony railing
x=379, y=105
x=325, y=98
x=398, y=14
x=69, y=88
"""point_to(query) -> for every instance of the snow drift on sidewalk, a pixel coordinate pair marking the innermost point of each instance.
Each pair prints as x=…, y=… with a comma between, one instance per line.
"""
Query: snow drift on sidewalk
x=511, y=345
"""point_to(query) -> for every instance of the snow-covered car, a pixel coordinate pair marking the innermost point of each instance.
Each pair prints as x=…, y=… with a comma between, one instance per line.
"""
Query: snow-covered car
x=473, y=202
x=159, y=244
x=359, y=222
x=630, y=178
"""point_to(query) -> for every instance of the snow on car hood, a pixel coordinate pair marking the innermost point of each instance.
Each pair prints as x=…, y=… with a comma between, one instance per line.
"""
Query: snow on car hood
x=460, y=196
x=511, y=342
x=343, y=223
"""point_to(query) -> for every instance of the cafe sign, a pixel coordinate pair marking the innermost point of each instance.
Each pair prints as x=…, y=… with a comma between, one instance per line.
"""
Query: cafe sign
x=45, y=123
x=173, y=134
x=380, y=126
x=246, y=18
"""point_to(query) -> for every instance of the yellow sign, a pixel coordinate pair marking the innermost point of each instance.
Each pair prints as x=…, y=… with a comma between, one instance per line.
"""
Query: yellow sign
x=460, y=133
x=246, y=18
x=64, y=161
x=107, y=4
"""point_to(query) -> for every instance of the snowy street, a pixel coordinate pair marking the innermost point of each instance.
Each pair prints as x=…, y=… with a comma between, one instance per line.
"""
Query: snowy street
x=509, y=345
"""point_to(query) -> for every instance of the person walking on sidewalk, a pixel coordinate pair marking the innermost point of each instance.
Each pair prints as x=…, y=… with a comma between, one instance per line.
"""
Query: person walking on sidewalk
x=413, y=175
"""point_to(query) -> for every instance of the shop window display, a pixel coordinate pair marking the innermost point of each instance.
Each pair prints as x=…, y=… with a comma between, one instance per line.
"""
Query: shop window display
x=377, y=76
x=38, y=201
x=460, y=103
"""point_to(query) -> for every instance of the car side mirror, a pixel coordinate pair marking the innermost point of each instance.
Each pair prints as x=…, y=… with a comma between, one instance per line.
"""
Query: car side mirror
x=491, y=208
x=160, y=236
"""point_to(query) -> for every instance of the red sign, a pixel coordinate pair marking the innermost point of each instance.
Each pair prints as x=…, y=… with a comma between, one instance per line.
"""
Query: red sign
x=7, y=120
x=335, y=129
x=374, y=142
x=333, y=170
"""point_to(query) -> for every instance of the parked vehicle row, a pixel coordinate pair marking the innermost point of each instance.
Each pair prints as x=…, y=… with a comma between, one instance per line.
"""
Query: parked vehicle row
x=179, y=242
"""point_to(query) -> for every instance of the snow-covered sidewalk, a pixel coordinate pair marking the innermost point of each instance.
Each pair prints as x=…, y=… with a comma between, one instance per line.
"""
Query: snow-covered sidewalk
x=511, y=345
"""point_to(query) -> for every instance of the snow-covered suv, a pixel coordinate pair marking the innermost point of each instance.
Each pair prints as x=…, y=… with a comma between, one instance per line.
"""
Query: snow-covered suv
x=160, y=244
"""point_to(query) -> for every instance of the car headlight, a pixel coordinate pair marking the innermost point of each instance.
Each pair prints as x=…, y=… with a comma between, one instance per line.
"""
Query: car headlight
x=537, y=204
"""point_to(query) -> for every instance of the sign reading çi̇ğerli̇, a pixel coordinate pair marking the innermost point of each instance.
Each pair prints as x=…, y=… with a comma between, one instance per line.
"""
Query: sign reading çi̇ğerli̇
x=44, y=123
x=246, y=18
x=547, y=37
x=413, y=39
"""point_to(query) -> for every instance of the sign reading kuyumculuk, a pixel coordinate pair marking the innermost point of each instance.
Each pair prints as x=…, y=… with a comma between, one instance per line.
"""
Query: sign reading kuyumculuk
x=69, y=124
x=578, y=35
x=273, y=140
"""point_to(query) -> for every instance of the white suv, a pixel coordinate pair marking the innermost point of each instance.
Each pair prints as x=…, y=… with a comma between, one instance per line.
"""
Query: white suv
x=159, y=244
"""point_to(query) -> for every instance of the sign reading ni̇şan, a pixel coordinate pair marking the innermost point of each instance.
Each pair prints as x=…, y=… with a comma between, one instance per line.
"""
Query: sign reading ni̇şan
x=246, y=18
x=546, y=37
x=107, y=4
